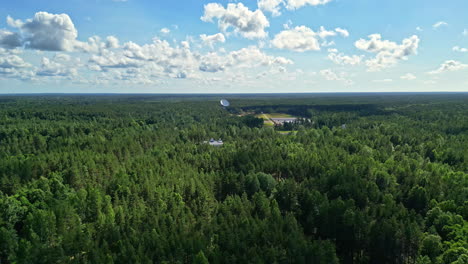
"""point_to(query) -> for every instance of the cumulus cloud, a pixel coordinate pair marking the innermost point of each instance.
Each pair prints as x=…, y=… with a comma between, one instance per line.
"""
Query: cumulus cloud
x=408, y=76
x=250, y=57
x=181, y=62
x=210, y=40
x=110, y=59
x=177, y=62
x=299, y=39
x=458, y=49
x=330, y=75
x=341, y=59
x=272, y=6
x=439, y=24
x=448, y=66
x=165, y=31
x=93, y=45
x=45, y=31
x=96, y=45
x=296, y=4
x=247, y=23
x=16, y=23
x=62, y=57
x=13, y=61
x=9, y=39
x=465, y=32
x=323, y=33
x=302, y=38
x=342, y=32
x=388, y=53
x=52, y=32
x=53, y=68
x=112, y=42
x=212, y=62
x=383, y=81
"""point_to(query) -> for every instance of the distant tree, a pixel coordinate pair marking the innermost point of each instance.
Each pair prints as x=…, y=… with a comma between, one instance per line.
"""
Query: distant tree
x=200, y=258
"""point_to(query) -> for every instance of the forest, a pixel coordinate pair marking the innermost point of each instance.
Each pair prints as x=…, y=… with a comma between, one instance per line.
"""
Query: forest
x=364, y=178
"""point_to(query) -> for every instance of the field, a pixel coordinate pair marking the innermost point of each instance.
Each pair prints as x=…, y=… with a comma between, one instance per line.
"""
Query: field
x=268, y=116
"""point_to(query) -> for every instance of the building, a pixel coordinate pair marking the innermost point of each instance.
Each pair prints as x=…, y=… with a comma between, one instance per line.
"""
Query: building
x=281, y=121
x=215, y=143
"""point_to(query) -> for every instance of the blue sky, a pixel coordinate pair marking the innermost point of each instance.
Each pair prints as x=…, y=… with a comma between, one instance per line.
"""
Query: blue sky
x=143, y=46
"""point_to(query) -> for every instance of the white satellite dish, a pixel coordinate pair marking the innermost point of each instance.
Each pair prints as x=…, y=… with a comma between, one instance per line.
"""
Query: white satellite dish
x=225, y=103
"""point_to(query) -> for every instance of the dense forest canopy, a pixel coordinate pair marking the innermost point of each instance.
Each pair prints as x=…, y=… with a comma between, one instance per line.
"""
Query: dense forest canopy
x=128, y=179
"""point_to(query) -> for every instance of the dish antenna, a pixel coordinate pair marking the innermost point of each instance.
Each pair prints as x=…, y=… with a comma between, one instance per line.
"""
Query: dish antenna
x=225, y=103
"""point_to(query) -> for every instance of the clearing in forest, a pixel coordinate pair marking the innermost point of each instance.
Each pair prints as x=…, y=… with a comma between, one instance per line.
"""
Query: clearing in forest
x=271, y=118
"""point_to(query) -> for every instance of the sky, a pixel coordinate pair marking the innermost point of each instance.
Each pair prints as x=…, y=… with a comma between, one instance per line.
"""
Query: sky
x=221, y=46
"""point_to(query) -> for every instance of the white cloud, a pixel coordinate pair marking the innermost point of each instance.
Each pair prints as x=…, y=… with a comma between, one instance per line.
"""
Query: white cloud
x=250, y=57
x=93, y=45
x=288, y=24
x=388, y=53
x=465, y=32
x=108, y=62
x=9, y=39
x=249, y=24
x=302, y=38
x=16, y=23
x=330, y=75
x=327, y=43
x=45, y=31
x=450, y=65
x=13, y=61
x=272, y=6
x=458, y=49
x=383, y=81
x=341, y=59
x=210, y=40
x=296, y=4
x=299, y=39
x=165, y=31
x=62, y=57
x=323, y=33
x=112, y=42
x=110, y=59
x=408, y=76
x=439, y=24
x=342, y=32
x=53, y=68
x=419, y=29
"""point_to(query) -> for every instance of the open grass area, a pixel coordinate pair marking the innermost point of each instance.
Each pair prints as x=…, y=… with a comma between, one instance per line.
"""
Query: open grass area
x=279, y=115
x=267, y=118
x=287, y=132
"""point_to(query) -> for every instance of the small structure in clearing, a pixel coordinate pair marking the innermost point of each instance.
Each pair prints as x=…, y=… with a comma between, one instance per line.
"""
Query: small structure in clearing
x=215, y=143
x=281, y=121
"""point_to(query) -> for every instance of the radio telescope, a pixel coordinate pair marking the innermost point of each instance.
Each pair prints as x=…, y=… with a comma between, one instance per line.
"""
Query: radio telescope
x=224, y=103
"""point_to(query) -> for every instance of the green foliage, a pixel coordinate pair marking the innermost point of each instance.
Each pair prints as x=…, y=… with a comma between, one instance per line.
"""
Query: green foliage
x=200, y=258
x=128, y=179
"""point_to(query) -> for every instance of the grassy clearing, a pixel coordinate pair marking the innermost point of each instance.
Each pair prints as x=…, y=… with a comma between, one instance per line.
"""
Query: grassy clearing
x=267, y=118
x=287, y=132
x=279, y=115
